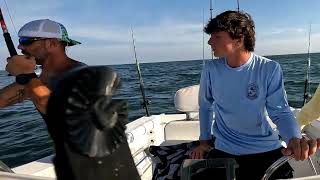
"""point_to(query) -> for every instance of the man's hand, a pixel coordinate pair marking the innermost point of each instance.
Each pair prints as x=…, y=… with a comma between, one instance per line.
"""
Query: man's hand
x=198, y=152
x=302, y=148
x=20, y=64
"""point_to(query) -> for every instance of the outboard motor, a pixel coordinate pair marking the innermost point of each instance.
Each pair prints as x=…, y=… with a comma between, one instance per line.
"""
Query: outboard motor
x=88, y=127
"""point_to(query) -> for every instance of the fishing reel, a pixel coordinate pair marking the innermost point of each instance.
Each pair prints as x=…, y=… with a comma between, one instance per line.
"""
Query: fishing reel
x=88, y=126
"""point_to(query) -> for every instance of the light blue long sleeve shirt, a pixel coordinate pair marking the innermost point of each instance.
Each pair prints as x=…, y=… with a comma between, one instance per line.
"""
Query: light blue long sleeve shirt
x=239, y=97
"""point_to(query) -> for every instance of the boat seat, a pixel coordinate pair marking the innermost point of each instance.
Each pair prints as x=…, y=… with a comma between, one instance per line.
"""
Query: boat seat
x=176, y=132
x=173, y=142
x=181, y=131
x=186, y=99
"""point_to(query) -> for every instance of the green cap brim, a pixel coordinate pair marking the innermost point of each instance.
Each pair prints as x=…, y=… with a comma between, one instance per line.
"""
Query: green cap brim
x=71, y=42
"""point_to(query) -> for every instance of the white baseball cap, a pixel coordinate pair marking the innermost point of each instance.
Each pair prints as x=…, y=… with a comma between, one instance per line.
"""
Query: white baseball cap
x=45, y=28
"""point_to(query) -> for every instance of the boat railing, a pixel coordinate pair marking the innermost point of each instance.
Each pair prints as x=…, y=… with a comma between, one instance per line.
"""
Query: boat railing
x=285, y=159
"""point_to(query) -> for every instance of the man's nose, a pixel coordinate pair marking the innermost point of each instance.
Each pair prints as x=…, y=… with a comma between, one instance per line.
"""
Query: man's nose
x=210, y=41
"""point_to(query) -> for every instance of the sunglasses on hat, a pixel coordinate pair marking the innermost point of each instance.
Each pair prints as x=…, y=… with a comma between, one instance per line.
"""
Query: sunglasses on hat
x=26, y=41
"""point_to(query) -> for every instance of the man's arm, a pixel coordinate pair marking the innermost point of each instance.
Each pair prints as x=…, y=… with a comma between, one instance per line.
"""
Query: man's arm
x=39, y=94
x=205, y=115
x=311, y=110
x=12, y=94
x=205, y=103
x=279, y=112
x=278, y=107
x=35, y=89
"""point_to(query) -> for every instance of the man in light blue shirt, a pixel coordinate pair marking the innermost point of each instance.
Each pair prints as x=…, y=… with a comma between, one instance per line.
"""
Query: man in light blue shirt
x=239, y=87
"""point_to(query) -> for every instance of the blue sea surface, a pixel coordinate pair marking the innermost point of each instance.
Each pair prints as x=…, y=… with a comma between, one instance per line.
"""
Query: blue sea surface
x=23, y=133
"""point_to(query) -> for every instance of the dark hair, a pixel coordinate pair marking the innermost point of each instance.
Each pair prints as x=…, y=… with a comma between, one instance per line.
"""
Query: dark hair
x=237, y=24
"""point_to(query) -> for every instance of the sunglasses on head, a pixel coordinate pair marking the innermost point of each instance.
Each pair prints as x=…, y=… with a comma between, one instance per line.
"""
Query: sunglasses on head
x=26, y=41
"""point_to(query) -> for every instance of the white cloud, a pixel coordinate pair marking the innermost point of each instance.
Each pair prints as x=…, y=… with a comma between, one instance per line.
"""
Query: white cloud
x=164, y=42
x=162, y=33
x=123, y=53
x=286, y=30
x=288, y=45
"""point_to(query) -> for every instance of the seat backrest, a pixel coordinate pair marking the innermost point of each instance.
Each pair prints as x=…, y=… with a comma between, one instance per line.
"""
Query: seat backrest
x=186, y=99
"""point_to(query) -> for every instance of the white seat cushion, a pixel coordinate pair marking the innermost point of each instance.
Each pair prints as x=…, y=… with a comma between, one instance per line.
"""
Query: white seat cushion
x=186, y=99
x=182, y=130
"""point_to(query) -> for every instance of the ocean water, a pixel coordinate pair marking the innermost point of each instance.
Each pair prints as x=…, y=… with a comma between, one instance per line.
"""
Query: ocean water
x=24, y=137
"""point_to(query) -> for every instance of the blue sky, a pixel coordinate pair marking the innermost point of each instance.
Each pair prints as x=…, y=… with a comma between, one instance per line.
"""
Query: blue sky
x=165, y=30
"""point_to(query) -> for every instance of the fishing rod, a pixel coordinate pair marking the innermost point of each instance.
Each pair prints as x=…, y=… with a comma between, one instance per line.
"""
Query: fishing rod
x=238, y=5
x=6, y=34
x=211, y=9
x=7, y=37
x=145, y=102
x=203, y=35
x=306, y=94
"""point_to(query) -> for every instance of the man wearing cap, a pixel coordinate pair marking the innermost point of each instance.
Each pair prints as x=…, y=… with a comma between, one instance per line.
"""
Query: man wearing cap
x=43, y=42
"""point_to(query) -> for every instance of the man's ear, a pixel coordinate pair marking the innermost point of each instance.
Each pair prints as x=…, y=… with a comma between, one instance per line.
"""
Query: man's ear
x=52, y=43
x=55, y=42
x=240, y=41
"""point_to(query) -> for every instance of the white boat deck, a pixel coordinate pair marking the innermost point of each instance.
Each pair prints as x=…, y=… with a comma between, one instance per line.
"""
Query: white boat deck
x=42, y=167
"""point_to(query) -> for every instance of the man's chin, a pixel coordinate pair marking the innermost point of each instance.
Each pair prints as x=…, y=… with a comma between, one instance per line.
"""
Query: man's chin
x=218, y=55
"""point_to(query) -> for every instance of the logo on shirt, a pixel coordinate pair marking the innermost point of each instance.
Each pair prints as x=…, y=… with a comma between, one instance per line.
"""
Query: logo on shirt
x=252, y=91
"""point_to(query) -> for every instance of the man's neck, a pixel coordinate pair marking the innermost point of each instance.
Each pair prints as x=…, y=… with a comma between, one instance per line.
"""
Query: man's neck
x=239, y=58
x=55, y=65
